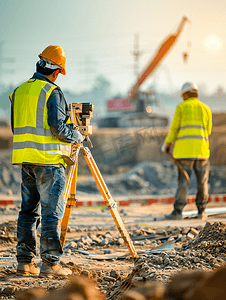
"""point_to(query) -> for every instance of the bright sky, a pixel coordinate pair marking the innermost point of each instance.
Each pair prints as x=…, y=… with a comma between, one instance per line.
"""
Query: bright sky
x=98, y=38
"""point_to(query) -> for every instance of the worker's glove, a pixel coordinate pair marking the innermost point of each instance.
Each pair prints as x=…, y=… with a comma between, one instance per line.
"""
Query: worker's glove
x=166, y=148
x=79, y=138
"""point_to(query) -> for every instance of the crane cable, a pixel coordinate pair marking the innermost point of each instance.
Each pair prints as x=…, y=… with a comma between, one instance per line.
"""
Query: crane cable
x=186, y=53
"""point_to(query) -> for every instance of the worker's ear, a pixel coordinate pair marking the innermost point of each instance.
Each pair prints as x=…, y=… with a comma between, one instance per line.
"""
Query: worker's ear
x=55, y=74
x=184, y=96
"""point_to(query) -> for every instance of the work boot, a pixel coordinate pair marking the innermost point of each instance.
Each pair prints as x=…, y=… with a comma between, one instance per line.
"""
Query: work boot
x=202, y=216
x=28, y=269
x=54, y=270
x=174, y=215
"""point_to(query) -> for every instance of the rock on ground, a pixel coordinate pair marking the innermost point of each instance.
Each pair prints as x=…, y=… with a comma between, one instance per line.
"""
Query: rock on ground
x=198, y=256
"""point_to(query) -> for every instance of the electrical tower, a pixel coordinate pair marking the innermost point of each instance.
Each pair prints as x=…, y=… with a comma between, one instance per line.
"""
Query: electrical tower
x=136, y=53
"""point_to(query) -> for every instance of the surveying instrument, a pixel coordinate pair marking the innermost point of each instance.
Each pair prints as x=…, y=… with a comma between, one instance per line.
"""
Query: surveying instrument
x=80, y=114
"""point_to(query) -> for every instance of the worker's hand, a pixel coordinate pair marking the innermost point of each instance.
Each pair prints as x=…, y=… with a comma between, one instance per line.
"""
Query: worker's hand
x=166, y=148
x=79, y=138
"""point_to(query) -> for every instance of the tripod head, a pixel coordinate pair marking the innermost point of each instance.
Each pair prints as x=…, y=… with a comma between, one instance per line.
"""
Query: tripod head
x=81, y=113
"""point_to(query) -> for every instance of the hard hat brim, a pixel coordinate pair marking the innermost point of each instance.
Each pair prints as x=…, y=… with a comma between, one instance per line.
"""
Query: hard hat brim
x=62, y=71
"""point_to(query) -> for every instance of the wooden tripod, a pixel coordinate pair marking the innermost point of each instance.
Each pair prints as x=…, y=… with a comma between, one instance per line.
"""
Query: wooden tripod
x=70, y=193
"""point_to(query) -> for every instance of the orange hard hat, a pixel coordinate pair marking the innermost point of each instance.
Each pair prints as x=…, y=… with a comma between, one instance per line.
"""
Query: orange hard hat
x=56, y=55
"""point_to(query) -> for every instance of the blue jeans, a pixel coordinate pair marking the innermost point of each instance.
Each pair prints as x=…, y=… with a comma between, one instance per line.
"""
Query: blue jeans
x=42, y=191
x=201, y=169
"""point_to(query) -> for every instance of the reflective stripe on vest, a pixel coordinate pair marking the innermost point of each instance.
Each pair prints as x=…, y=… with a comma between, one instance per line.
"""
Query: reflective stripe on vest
x=42, y=147
x=35, y=144
x=197, y=134
x=190, y=130
x=192, y=127
x=41, y=105
x=32, y=130
x=200, y=137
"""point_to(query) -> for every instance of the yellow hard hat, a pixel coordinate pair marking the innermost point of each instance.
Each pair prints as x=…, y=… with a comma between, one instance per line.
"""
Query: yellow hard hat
x=56, y=55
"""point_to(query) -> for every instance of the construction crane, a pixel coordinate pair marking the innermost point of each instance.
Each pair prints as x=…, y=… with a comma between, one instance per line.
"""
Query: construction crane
x=161, y=53
x=137, y=106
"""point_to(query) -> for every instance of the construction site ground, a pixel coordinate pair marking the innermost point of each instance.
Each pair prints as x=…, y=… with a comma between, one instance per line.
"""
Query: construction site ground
x=104, y=261
x=94, y=248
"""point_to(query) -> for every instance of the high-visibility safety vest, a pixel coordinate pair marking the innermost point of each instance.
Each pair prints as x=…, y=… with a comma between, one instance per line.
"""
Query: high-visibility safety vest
x=33, y=141
x=190, y=130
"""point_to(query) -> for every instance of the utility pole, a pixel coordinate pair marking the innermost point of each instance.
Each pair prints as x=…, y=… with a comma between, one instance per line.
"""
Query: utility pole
x=136, y=53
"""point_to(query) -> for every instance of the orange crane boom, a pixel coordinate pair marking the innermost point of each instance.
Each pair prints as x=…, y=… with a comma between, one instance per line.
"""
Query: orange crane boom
x=163, y=50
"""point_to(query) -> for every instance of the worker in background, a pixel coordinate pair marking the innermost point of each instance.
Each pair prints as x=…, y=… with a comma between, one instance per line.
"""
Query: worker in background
x=189, y=132
x=42, y=138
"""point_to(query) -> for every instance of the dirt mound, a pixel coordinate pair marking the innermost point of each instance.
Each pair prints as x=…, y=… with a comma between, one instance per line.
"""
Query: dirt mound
x=193, y=285
x=206, y=252
x=78, y=288
x=219, y=119
x=147, y=177
x=211, y=239
x=155, y=178
x=8, y=233
x=162, y=267
x=10, y=176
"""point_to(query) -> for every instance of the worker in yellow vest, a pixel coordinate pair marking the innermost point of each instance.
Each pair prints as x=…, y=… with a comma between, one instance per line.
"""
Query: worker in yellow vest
x=42, y=138
x=189, y=132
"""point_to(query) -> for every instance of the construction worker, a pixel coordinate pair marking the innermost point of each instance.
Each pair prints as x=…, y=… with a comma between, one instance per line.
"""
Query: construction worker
x=42, y=138
x=189, y=132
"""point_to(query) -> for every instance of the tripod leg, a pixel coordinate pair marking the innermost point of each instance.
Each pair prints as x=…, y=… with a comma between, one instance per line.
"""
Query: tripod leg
x=70, y=188
x=112, y=205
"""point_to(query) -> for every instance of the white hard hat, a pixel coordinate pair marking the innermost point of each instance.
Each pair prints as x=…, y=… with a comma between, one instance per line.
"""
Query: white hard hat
x=189, y=87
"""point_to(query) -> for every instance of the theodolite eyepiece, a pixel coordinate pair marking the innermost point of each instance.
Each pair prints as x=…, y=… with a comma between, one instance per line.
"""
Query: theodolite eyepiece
x=81, y=113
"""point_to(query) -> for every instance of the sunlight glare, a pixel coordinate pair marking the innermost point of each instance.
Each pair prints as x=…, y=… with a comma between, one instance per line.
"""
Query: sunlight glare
x=213, y=43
